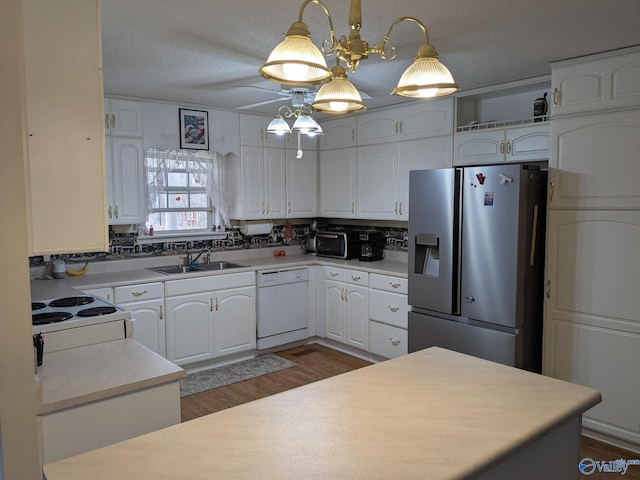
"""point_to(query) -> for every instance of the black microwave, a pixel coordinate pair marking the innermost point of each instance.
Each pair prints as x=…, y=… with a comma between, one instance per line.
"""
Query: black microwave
x=338, y=244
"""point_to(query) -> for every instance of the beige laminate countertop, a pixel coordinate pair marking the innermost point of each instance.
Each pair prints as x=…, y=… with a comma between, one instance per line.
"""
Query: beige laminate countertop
x=95, y=372
x=432, y=414
x=127, y=272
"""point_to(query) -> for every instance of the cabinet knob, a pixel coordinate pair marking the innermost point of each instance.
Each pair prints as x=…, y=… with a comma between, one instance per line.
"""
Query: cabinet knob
x=394, y=285
x=393, y=309
x=395, y=343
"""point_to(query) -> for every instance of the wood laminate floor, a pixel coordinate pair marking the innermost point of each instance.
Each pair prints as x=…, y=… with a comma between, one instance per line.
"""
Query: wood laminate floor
x=316, y=362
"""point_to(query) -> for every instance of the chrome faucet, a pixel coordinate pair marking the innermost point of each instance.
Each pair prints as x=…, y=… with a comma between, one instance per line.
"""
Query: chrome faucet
x=191, y=260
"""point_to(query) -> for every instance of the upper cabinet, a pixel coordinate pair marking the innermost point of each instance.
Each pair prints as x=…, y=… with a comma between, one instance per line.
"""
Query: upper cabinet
x=607, y=80
x=302, y=184
x=64, y=107
x=125, y=180
x=122, y=117
x=418, y=119
x=495, y=125
x=253, y=132
x=339, y=132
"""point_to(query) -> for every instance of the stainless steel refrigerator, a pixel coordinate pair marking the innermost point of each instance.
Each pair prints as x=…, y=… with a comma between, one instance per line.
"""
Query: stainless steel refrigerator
x=476, y=261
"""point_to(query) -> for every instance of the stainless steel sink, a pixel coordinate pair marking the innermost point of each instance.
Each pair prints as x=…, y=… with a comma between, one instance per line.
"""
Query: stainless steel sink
x=202, y=267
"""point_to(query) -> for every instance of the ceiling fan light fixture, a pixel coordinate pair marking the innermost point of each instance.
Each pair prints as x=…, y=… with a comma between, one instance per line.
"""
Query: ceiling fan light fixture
x=307, y=125
x=339, y=95
x=426, y=77
x=296, y=60
x=278, y=126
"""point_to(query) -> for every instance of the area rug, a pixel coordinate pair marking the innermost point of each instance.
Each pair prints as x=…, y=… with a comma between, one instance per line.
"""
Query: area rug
x=235, y=372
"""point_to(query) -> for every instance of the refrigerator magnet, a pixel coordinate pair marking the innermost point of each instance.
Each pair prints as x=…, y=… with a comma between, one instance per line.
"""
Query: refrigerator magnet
x=488, y=199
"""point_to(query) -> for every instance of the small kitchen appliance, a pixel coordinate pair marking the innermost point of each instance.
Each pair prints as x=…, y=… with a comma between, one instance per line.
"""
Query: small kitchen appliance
x=372, y=246
x=343, y=244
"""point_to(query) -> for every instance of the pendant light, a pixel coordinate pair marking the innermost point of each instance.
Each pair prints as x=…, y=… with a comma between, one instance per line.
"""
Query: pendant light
x=339, y=95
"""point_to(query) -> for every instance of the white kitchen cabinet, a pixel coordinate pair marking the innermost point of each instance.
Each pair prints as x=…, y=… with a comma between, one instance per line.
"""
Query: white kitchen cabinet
x=125, y=180
x=65, y=164
x=146, y=303
x=234, y=320
x=596, y=82
x=258, y=183
x=418, y=119
x=346, y=306
x=338, y=133
x=253, y=132
x=338, y=183
x=383, y=174
x=122, y=117
x=210, y=317
x=497, y=145
x=302, y=184
x=388, y=315
x=594, y=161
x=592, y=328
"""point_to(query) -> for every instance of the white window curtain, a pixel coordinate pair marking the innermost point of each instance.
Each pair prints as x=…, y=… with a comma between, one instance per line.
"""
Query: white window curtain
x=208, y=166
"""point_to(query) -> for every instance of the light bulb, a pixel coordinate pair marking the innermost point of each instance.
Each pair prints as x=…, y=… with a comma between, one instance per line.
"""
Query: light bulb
x=338, y=106
x=296, y=71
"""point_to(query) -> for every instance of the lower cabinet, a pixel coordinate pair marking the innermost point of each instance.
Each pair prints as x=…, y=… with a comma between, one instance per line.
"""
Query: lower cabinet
x=388, y=310
x=346, y=306
x=209, y=317
x=146, y=303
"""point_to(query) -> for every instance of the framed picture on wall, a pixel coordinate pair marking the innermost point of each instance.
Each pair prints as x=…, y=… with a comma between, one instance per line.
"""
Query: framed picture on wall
x=194, y=129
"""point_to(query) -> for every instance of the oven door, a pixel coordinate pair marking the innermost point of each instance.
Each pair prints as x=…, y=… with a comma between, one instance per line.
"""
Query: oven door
x=331, y=244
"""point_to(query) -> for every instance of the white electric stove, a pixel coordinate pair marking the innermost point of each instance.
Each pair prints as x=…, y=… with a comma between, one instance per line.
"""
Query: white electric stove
x=71, y=322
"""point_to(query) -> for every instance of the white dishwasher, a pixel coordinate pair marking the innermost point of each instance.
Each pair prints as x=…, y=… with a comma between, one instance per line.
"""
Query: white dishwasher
x=283, y=306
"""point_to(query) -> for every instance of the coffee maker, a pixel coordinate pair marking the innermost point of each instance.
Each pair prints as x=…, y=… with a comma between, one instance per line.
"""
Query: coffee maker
x=372, y=245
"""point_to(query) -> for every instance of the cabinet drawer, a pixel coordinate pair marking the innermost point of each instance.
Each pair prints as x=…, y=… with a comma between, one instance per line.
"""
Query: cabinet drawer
x=209, y=283
x=388, y=283
x=387, y=307
x=387, y=341
x=137, y=293
x=332, y=273
x=356, y=277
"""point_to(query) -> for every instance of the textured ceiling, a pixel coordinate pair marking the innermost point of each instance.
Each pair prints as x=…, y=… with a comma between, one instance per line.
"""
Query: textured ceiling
x=207, y=52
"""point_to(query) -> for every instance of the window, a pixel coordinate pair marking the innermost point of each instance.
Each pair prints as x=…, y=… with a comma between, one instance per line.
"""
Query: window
x=185, y=191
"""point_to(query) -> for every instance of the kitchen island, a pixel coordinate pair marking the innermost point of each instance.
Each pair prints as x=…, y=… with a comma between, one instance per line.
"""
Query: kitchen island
x=432, y=414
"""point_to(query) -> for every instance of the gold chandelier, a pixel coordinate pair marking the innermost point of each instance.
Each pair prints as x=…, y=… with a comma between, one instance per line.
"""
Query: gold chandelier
x=297, y=61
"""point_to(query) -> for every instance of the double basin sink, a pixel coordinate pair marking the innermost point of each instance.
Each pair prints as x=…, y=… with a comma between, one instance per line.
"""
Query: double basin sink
x=200, y=267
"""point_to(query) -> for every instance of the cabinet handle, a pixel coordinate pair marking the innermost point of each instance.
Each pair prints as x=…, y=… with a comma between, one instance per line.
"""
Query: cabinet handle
x=508, y=147
x=110, y=211
x=400, y=209
x=395, y=343
x=217, y=304
x=353, y=134
x=394, y=285
x=333, y=274
x=396, y=209
x=355, y=278
x=160, y=313
x=502, y=148
x=353, y=207
x=106, y=121
x=113, y=121
x=289, y=210
x=268, y=209
x=556, y=97
x=396, y=128
x=211, y=304
x=139, y=294
x=401, y=125
x=551, y=185
x=393, y=309
x=346, y=296
x=547, y=289
x=115, y=211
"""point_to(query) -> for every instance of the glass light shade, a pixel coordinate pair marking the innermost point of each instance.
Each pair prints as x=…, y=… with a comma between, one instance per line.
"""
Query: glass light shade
x=307, y=125
x=296, y=61
x=425, y=78
x=339, y=95
x=278, y=126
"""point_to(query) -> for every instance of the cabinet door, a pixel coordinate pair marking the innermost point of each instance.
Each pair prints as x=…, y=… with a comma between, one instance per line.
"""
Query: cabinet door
x=64, y=107
x=356, y=305
x=594, y=161
x=274, y=183
x=528, y=144
x=252, y=185
x=234, y=320
x=253, y=132
x=478, y=148
x=123, y=117
x=435, y=152
x=149, y=328
x=338, y=133
x=190, y=328
x=426, y=119
x=598, y=82
x=378, y=127
x=125, y=180
x=378, y=181
x=592, y=330
x=338, y=183
x=334, y=310
x=302, y=184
